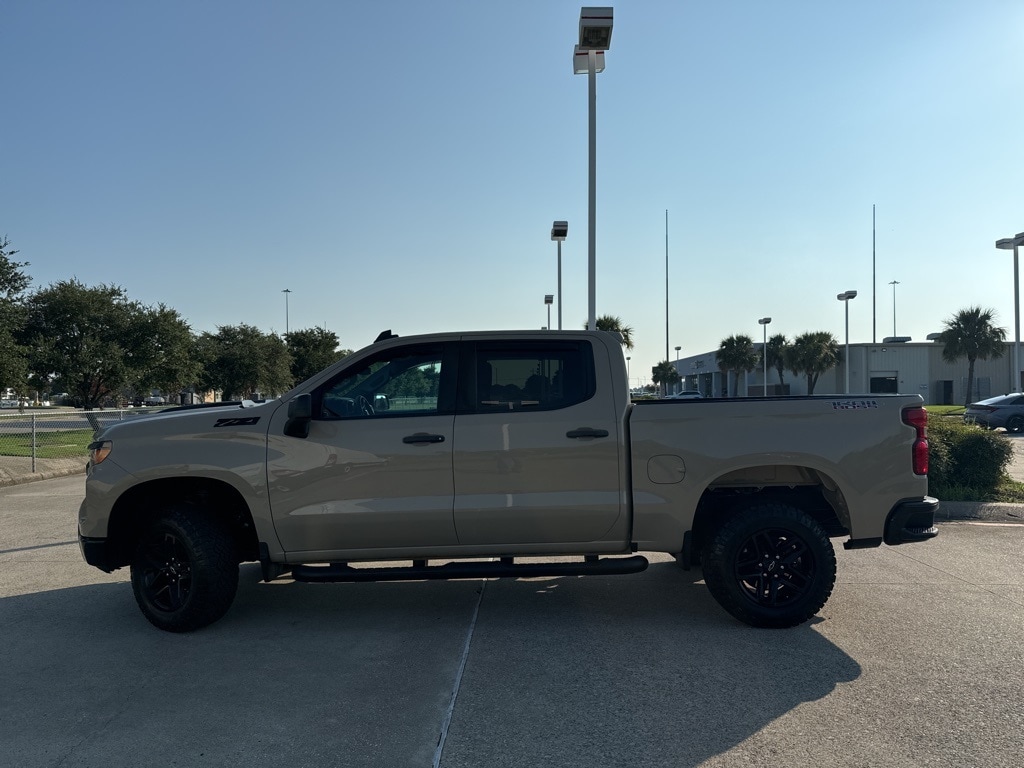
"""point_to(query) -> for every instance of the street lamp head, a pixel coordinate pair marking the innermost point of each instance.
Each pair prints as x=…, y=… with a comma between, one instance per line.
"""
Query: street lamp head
x=1009, y=243
x=678, y=348
x=764, y=321
x=549, y=298
x=846, y=295
x=580, y=66
x=595, y=29
x=559, y=230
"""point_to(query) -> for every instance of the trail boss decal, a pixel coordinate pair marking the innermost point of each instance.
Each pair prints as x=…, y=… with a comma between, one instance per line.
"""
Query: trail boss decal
x=853, y=405
x=237, y=422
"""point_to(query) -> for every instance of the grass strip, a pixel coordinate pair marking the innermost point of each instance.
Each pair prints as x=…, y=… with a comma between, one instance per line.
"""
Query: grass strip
x=57, y=444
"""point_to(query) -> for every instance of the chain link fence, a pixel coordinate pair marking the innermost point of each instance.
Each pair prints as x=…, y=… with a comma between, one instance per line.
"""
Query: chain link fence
x=55, y=439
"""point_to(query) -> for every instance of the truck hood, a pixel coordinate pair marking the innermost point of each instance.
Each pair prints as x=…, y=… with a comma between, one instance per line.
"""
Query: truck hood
x=246, y=415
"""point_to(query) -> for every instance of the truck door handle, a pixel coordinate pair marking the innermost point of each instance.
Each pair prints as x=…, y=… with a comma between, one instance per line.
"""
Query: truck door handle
x=422, y=437
x=586, y=432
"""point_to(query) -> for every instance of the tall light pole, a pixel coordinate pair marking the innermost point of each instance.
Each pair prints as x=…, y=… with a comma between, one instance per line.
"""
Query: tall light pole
x=548, y=298
x=588, y=59
x=845, y=298
x=666, y=286
x=1006, y=244
x=894, y=283
x=559, y=230
x=286, y=291
x=763, y=322
x=628, y=385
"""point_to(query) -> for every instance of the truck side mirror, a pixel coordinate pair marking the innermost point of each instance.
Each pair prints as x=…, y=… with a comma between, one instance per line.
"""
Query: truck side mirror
x=300, y=413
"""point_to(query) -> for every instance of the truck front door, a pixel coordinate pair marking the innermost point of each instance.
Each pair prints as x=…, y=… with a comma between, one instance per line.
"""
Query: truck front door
x=537, y=447
x=375, y=471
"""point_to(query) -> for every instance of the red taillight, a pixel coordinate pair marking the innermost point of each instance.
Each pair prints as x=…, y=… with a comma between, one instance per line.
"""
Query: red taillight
x=917, y=417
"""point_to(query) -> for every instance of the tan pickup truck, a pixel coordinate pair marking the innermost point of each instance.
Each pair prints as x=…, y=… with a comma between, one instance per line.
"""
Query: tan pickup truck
x=502, y=454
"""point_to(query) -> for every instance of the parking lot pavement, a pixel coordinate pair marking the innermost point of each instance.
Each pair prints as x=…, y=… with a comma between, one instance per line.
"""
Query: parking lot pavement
x=916, y=660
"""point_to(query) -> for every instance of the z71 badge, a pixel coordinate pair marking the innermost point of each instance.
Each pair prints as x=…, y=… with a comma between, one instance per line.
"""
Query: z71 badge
x=246, y=422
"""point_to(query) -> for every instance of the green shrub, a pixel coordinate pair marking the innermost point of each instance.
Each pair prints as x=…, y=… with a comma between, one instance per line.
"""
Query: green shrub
x=965, y=460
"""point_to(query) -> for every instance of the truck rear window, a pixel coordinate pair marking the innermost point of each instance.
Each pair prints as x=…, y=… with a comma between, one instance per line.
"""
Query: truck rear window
x=528, y=376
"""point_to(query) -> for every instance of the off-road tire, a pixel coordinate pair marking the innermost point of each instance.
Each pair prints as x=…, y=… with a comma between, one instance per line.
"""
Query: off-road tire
x=770, y=565
x=184, y=570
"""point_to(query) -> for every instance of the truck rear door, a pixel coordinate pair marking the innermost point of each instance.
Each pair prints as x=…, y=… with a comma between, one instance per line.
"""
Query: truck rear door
x=537, y=447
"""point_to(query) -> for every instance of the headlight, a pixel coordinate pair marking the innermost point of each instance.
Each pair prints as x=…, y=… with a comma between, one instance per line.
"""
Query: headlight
x=99, y=450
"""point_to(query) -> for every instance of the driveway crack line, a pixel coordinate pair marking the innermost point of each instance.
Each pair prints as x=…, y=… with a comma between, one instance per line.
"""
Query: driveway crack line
x=458, y=679
x=983, y=587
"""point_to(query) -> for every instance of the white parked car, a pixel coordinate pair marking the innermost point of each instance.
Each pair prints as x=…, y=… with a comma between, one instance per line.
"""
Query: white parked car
x=686, y=394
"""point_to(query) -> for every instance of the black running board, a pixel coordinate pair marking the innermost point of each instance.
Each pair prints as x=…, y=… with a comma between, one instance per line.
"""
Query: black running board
x=477, y=569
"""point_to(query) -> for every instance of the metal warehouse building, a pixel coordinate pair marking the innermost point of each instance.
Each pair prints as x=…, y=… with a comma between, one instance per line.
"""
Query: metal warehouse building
x=893, y=366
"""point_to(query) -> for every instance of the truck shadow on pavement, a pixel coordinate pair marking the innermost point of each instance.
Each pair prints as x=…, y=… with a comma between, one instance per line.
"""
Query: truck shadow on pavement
x=588, y=671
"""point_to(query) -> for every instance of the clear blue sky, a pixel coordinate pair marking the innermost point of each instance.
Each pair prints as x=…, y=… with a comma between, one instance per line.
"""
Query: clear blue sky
x=398, y=165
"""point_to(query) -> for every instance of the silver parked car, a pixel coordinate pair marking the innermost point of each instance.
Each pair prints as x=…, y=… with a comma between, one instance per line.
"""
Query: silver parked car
x=1003, y=411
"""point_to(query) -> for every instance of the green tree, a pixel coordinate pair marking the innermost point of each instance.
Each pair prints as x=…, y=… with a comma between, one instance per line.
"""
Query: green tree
x=242, y=362
x=420, y=381
x=776, y=352
x=737, y=354
x=312, y=350
x=812, y=354
x=92, y=338
x=13, y=283
x=971, y=333
x=665, y=374
x=615, y=325
x=168, y=358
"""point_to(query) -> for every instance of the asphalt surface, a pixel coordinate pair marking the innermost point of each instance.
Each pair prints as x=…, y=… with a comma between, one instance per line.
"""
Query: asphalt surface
x=916, y=660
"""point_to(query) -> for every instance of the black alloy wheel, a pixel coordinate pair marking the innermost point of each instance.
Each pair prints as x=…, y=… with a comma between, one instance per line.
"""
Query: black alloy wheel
x=184, y=570
x=774, y=567
x=770, y=565
x=165, y=571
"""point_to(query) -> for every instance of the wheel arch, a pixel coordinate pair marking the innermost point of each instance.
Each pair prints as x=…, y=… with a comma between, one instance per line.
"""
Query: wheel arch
x=809, y=489
x=141, y=504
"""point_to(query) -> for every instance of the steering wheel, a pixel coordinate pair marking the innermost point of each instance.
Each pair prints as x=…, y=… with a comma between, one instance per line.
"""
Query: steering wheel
x=363, y=406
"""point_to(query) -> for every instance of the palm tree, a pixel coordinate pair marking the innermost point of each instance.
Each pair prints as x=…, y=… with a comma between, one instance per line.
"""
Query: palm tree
x=737, y=354
x=812, y=354
x=777, y=355
x=970, y=333
x=615, y=325
x=664, y=373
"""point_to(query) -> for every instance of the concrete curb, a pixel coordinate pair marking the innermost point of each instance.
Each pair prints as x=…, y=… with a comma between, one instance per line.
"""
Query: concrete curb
x=979, y=511
x=15, y=470
x=8, y=479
